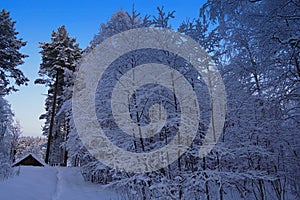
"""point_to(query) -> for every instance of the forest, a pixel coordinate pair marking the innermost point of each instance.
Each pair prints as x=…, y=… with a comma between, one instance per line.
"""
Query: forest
x=255, y=45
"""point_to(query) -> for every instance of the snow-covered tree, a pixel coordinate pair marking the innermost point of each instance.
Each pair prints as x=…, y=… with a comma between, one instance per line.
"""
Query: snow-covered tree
x=163, y=19
x=29, y=144
x=10, y=56
x=119, y=22
x=258, y=150
x=258, y=55
x=58, y=57
x=9, y=133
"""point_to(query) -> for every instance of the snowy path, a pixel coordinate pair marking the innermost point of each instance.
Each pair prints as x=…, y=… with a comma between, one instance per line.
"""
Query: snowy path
x=51, y=183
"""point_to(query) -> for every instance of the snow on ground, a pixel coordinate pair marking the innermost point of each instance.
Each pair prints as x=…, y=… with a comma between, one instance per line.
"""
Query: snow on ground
x=51, y=183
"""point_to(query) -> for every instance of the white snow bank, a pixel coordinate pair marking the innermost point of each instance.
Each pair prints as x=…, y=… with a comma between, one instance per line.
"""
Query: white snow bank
x=51, y=183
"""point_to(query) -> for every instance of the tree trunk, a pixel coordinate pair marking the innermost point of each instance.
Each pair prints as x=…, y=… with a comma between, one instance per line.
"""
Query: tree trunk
x=206, y=181
x=52, y=119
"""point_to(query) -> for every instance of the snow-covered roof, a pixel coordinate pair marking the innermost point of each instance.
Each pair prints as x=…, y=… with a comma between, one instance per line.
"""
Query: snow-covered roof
x=25, y=156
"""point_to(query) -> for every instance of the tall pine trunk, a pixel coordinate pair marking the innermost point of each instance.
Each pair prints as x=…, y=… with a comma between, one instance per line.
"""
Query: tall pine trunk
x=52, y=119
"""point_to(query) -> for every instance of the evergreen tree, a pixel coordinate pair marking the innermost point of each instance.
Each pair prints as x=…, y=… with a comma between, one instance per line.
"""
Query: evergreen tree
x=58, y=57
x=10, y=56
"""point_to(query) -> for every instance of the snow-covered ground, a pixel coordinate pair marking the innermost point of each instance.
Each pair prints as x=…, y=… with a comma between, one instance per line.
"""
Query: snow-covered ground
x=51, y=183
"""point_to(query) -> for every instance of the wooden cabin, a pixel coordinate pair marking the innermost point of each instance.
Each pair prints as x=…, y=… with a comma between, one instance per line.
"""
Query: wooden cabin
x=29, y=160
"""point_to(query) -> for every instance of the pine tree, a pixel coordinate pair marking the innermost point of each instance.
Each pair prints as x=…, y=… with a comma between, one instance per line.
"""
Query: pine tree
x=58, y=56
x=10, y=56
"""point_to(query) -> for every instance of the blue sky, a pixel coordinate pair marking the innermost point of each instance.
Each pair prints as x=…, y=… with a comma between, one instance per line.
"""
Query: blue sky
x=35, y=20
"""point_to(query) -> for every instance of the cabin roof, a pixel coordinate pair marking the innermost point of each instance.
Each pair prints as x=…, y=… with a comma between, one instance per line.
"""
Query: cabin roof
x=29, y=159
